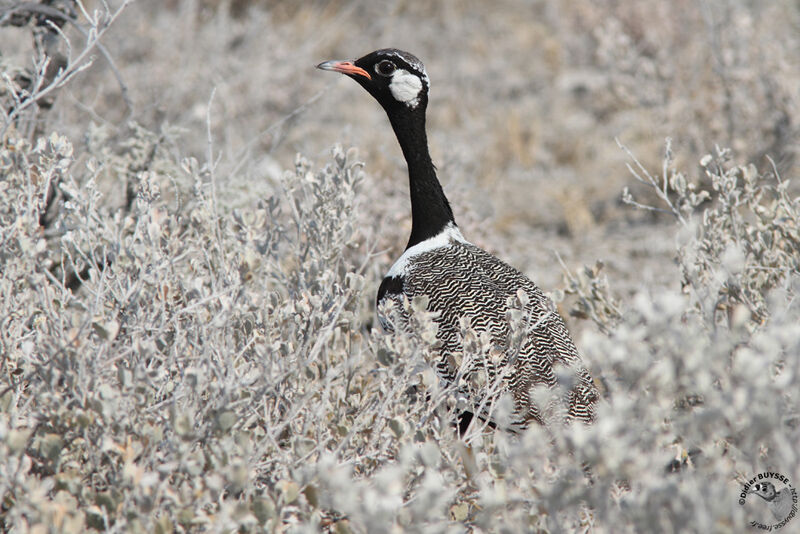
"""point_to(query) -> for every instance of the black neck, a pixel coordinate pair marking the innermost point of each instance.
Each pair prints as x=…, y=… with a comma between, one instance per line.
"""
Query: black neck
x=430, y=211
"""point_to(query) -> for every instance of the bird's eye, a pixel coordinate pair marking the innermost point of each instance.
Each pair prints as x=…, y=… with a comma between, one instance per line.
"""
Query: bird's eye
x=385, y=68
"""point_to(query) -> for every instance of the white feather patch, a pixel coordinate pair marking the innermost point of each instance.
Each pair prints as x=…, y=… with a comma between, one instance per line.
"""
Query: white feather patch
x=405, y=87
x=442, y=239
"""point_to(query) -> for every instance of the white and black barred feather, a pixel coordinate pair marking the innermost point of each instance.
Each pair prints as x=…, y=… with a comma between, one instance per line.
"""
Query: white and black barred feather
x=461, y=281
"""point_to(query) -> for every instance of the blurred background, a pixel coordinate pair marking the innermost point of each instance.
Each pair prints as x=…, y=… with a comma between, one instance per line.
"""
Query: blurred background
x=527, y=103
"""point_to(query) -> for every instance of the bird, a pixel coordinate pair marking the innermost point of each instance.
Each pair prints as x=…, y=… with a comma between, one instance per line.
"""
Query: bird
x=463, y=282
x=778, y=502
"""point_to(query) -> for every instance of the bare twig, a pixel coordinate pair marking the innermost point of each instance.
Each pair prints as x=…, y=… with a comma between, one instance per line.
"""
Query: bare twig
x=74, y=66
x=659, y=185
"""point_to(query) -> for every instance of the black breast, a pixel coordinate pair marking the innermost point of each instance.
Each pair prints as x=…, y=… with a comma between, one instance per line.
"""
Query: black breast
x=391, y=285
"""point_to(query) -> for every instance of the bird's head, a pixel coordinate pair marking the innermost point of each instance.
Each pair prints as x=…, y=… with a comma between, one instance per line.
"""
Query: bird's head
x=765, y=490
x=396, y=79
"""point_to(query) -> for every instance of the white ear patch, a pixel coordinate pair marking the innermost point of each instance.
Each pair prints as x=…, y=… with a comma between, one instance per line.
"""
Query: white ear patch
x=405, y=87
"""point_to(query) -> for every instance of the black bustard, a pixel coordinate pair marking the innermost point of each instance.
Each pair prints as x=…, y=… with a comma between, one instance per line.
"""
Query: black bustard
x=462, y=281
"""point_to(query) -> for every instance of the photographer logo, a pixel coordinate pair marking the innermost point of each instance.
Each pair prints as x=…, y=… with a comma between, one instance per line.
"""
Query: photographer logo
x=770, y=501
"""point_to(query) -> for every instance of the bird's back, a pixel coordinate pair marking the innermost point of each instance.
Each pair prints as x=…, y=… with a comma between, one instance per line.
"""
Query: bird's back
x=466, y=285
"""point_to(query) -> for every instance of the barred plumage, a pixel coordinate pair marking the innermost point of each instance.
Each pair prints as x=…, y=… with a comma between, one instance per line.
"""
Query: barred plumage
x=464, y=283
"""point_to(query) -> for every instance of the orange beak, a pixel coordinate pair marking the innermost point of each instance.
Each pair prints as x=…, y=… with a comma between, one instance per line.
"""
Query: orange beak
x=345, y=67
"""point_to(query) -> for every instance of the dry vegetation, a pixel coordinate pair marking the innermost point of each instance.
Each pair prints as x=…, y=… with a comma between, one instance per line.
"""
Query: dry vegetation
x=187, y=337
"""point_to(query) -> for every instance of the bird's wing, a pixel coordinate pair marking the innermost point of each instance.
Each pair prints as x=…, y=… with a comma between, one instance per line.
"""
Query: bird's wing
x=463, y=282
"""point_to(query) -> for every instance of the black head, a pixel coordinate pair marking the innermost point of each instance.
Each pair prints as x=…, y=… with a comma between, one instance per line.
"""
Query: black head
x=396, y=79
